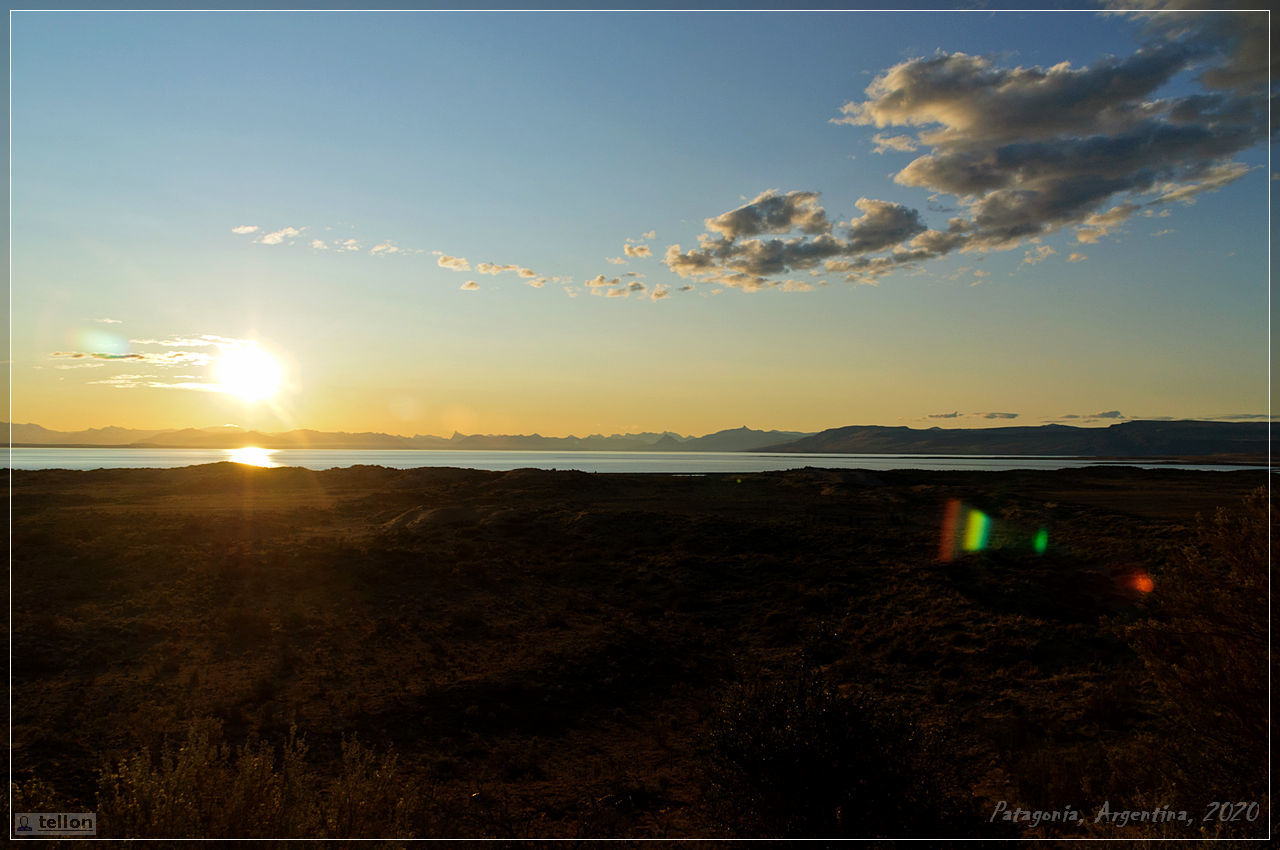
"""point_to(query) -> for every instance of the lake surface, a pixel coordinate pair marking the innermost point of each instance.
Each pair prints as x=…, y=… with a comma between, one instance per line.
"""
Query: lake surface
x=689, y=463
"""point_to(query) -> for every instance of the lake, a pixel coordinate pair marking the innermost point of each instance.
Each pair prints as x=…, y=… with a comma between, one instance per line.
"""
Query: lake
x=688, y=463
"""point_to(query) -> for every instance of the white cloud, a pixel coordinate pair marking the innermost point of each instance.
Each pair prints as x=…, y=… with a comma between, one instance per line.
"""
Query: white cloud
x=244, y=228
x=278, y=236
x=470, y=286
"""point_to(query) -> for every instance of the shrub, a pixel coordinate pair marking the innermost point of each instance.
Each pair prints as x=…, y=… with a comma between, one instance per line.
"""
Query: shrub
x=1205, y=646
x=789, y=756
x=207, y=789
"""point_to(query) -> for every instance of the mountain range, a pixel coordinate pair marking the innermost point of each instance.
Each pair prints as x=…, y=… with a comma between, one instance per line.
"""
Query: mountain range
x=230, y=437
x=1136, y=438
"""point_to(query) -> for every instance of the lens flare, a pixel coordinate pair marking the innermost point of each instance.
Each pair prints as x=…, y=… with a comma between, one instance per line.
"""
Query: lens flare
x=977, y=532
x=1041, y=543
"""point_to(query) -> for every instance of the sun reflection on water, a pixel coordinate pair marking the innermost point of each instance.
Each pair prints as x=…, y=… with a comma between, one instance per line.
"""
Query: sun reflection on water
x=252, y=456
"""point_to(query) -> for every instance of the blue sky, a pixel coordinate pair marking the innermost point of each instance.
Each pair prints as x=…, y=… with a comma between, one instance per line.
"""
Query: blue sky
x=545, y=142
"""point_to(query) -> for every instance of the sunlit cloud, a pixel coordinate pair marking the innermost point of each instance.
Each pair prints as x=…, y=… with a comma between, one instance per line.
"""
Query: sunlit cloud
x=160, y=358
x=1024, y=151
x=457, y=264
x=385, y=248
x=494, y=268
x=1076, y=258
x=470, y=286
x=319, y=245
x=277, y=237
x=244, y=228
x=1037, y=255
x=617, y=261
x=637, y=250
x=126, y=382
x=107, y=321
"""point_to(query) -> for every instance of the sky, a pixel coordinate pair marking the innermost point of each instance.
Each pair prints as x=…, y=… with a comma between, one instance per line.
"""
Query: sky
x=576, y=223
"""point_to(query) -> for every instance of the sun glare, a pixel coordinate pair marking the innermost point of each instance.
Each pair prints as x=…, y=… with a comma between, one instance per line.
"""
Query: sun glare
x=251, y=456
x=249, y=372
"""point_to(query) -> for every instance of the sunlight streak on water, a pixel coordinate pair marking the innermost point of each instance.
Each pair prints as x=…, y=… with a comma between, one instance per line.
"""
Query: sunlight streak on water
x=252, y=456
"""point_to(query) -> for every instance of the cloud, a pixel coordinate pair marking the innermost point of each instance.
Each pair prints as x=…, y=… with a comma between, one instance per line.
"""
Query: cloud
x=1027, y=151
x=994, y=415
x=796, y=286
x=652, y=234
x=637, y=286
x=1109, y=414
x=600, y=280
x=1037, y=255
x=106, y=321
x=637, y=250
x=1096, y=225
x=1076, y=258
x=904, y=144
x=617, y=261
x=527, y=273
x=319, y=245
x=244, y=228
x=191, y=341
x=151, y=382
x=955, y=414
x=470, y=285
x=161, y=358
x=659, y=293
x=347, y=245
x=385, y=248
x=457, y=264
x=770, y=212
x=493, y=268
x=278, y=236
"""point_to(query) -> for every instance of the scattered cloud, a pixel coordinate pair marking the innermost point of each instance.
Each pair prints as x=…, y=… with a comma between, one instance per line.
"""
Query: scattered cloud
x=637, y=250
x=617, y=261
x=457, y=264
x=319, y=245
x=659, y=293
x=600, y=280
x=1109, y=414
x=994, y=415
x=1037, y=255
x=1076, y=258
x=347, y=245
x=903, y=144
x=104, y=320
x=955, y=414
x=494, y=268
x=244, y=228
x=1024, y=151
x=162, y=358
x=652, y=234
x=470, y=285
x=276, y=237
x=386, y=248
x=152, y=382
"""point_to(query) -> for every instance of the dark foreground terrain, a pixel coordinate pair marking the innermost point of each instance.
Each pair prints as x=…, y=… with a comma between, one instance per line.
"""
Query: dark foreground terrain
x=230, y=651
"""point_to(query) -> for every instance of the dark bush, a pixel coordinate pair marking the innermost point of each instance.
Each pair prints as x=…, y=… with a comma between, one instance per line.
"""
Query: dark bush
x=789, y=756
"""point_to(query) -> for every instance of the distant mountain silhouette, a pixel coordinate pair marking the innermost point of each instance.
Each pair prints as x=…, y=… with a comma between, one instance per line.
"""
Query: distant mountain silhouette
x=1127, y=439
x=230, y=437
x=1139, y=438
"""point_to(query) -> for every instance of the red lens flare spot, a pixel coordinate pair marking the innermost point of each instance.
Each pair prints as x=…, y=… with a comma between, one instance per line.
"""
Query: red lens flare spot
x=1142, y=583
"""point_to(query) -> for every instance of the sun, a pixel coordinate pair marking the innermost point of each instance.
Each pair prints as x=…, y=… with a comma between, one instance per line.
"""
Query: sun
x=247, y=371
